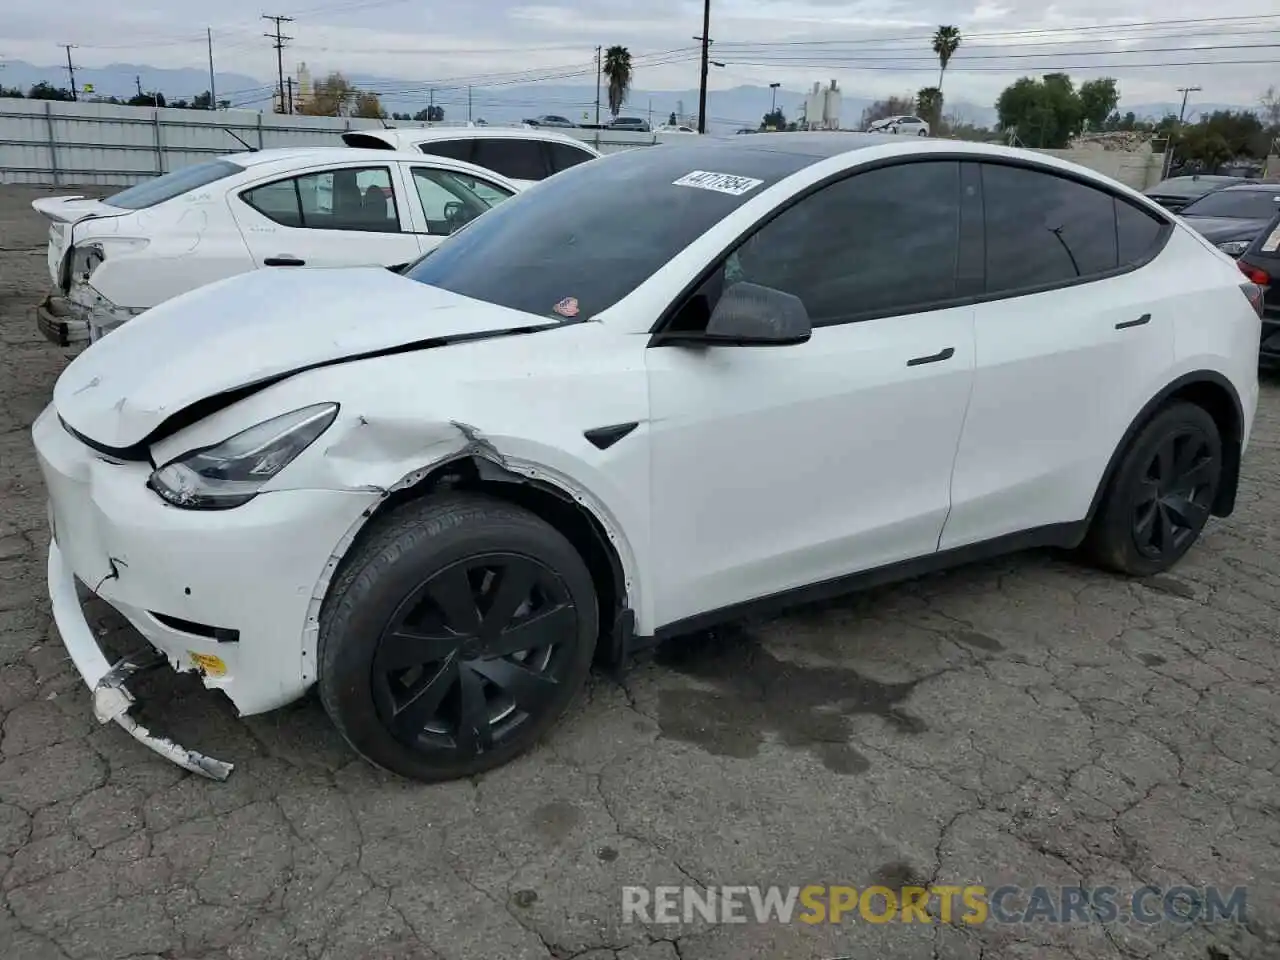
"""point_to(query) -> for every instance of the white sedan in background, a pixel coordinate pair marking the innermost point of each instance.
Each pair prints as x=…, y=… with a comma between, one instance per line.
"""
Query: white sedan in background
x=906, y=125
x=111, y=259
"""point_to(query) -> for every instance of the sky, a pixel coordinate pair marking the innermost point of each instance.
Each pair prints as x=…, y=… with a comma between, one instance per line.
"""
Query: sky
x=872, y=47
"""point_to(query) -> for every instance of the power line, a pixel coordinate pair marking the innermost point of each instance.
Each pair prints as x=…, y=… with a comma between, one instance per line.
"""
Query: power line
x=279, y=45
x=998, y=35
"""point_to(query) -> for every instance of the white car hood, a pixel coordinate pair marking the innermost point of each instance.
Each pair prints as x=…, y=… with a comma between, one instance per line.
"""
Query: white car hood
x=253, y=329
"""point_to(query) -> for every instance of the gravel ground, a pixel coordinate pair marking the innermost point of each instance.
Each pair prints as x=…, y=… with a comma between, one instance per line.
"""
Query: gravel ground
x=1026, y=721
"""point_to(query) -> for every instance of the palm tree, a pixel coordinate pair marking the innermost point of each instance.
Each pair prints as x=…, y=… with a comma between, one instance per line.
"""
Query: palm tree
x=945, y=42
x=929, y=107
x=617, y=68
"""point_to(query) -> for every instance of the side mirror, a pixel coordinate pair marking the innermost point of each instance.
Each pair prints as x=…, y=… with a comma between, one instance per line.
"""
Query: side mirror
x=749, y=314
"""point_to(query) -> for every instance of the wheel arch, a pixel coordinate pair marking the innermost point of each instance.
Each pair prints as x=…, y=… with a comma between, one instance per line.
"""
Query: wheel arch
x=1215, y=394
x=550, y=499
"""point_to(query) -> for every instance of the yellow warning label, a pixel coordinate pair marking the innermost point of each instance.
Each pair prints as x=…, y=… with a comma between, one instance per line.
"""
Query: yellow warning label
x=208, y=664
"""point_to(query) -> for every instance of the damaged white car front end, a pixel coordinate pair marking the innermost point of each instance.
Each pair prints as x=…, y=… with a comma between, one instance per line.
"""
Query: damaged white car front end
x=214, y=525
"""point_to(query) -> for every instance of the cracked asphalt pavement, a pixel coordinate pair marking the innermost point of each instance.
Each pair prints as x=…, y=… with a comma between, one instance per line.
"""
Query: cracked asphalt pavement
x=1025, y=721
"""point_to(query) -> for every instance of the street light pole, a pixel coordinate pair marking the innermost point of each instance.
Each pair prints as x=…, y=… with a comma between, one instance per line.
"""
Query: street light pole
x=706, y=43
x=773, y=103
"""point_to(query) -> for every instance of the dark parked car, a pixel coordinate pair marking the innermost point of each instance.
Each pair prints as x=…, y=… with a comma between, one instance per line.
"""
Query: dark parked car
x=550, y=120
x=1233, y=216
x=1176, y=192
x=1261, y=265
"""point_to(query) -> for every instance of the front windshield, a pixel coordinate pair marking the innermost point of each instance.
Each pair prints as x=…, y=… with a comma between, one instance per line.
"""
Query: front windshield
x=1238, y=204
x=580, y=241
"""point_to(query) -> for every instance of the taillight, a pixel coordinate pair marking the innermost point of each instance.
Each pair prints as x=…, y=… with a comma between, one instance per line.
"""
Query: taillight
x=1255, y=274
x=1253, y=293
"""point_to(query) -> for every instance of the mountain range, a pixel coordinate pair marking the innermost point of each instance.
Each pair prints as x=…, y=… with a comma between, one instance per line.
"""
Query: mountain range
x=726, y=109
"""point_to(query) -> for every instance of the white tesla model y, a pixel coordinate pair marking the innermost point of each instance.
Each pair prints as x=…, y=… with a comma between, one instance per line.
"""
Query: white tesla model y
x=649, y=393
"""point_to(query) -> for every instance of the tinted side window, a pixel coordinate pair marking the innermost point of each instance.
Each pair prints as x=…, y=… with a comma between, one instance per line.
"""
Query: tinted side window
x=1043, y=229
x=564, y=156
x=351, y=199
x=884, y=241
x=276, y=201
x=518, y=159
x=1137, y=232
x=453, y=149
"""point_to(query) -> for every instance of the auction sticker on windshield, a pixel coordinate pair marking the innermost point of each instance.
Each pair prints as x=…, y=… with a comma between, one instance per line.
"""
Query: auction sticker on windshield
x=719, y=182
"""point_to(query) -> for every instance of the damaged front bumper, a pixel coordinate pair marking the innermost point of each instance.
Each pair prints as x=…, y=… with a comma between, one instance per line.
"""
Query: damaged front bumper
x=111, y=697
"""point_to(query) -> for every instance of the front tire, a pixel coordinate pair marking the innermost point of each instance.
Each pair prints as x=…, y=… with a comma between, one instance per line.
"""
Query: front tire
x=1160, y=497
x=455, y=636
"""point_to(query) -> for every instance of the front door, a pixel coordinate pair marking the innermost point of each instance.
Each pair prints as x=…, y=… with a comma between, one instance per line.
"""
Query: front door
x=776, y=467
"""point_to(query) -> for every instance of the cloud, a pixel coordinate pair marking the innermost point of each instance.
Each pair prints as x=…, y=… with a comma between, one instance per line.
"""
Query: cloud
x=873, y=47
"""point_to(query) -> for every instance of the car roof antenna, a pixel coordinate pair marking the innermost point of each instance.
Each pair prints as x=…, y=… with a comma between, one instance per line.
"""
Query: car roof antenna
x=241, y=139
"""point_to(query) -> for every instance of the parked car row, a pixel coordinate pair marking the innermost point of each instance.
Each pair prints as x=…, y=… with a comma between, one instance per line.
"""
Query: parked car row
x=372, y=203
x=437, y=494
x=636, y=124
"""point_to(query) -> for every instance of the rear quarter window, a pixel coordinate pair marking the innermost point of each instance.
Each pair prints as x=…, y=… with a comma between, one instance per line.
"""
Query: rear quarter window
x=453, y=149
x=173, y=184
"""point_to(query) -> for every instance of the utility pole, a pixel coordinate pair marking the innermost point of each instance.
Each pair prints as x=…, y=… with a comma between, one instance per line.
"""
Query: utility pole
x=468, y=103
x=279, y=45
x=705, y=39
x=598, y=70
x=213, y=90
x=71, y=71
x=289, y=83
x=1182, y=112
x=137, y=82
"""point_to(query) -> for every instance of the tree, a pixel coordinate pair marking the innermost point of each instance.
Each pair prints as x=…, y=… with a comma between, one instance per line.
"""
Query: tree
x=151, y=98
x=671, y=120
x=775, y=119
x=202, y=101
x=10, y=91
x=1270, y=103
x=47, y=91
x=331, y=97
x=1042, y=113
x=891, y=107
x=617, y=70
x=929, y=106
x=368, y=105
x=1098, y=98
x=945, y=43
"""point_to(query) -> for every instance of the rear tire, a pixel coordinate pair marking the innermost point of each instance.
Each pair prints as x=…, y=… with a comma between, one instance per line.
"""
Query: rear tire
x=455, y=636
x=1160, y=497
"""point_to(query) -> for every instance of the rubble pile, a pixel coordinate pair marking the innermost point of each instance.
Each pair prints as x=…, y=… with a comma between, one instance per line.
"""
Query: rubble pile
x=1128, y=141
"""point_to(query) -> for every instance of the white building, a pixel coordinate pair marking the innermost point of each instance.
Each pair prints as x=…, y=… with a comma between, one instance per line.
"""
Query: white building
x=822, y=108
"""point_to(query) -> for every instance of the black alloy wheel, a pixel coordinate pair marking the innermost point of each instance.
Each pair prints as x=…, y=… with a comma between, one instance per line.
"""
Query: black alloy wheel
x=473, y=653
x=455, y=634
x=1162, y=493
x=1175, y=493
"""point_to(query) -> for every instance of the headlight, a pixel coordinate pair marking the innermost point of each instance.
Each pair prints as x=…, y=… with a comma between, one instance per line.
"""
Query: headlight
x=232, y=472
x=1234, y=247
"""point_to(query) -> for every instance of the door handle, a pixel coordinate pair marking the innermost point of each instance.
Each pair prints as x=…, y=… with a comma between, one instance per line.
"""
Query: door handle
x=938, y=357
x=285, y=260
x=1145, y=318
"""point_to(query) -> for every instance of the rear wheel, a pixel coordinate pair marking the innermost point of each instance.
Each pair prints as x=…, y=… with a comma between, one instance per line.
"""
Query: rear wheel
x=455, y=637
x=1160, y=497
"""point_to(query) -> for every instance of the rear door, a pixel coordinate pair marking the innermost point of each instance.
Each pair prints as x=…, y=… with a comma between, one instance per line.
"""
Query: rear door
x=1074, y=334
x=335, y=216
